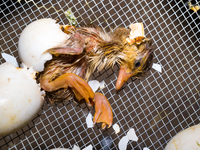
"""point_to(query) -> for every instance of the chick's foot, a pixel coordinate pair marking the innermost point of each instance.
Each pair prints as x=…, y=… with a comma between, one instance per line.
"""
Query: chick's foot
x=103, y=111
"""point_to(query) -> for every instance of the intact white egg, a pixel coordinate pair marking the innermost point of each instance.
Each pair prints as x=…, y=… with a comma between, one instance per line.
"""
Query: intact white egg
x=20, y=98
x=38, y=37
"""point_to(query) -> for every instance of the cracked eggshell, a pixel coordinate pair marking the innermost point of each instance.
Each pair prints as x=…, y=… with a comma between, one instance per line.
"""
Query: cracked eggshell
x=20, y=98
x=38, y=37
x=188, y=139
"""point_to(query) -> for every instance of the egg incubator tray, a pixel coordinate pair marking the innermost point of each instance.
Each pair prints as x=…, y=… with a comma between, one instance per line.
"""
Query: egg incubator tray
x=157, y=106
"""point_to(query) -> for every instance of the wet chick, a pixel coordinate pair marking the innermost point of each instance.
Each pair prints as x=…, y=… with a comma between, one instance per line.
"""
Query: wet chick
x=89, y=49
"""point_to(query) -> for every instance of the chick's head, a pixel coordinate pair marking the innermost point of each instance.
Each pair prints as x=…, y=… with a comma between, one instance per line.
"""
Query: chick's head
x=137, y=60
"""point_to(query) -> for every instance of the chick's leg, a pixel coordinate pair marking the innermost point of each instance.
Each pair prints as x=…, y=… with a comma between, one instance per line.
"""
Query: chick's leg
x=103, y=111
x=81, y=89
x=79, y=86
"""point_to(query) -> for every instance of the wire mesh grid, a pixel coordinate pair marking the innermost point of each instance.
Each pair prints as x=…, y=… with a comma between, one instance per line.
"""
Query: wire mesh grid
x=157, y=106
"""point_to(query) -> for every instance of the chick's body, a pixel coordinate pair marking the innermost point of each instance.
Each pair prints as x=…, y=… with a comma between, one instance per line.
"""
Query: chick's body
x=89, y=49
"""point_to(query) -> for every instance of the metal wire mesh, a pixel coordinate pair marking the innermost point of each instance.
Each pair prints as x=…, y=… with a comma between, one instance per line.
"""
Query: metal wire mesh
x=157, y=106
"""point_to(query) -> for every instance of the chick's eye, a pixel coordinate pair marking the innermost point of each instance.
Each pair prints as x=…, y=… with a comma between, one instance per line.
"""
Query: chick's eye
x=137, y=64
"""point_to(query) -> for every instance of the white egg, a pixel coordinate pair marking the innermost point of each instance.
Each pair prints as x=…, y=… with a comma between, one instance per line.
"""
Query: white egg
x=38, y=37
x=20, y=98
x=188, y=139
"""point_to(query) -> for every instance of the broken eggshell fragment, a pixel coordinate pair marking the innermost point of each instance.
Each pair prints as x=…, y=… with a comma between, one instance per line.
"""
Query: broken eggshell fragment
x=94, y=84
x=20, y=98
x=131, y=135
x=137, y=31
x=9, y=58
x=123, y=143
x=116, y=128
x=89, y=121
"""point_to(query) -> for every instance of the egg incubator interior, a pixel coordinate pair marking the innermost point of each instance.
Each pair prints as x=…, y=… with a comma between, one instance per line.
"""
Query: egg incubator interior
x=157, y=106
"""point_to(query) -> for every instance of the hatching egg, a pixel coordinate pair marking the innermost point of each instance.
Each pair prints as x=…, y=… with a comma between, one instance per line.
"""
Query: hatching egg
x=38, y=37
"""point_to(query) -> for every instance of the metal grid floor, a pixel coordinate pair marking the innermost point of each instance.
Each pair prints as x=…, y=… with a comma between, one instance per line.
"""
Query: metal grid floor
x=157, y=106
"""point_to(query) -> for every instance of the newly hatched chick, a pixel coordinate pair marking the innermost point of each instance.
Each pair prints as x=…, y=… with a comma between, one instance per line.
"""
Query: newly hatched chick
x=89, y=49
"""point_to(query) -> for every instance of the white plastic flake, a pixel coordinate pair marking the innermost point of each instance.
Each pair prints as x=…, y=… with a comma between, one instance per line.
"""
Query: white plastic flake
x=157, y=67
x=89, y=121
x=9, y=58
x=132, y=135
x=94, y=84
x=123, y=143
x=89, y=147
x=116, y=128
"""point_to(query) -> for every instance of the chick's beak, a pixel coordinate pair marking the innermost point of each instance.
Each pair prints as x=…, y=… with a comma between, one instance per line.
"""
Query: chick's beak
x=123, y=77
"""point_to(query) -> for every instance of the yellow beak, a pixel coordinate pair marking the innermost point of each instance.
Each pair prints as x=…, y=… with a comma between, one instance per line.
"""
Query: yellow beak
x=122, y=77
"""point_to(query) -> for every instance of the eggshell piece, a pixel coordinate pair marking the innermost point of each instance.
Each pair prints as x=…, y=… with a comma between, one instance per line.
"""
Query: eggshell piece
x=38, y=37
x=76, y=148
x=137, y=29
x=116, y=128
x=94, y=84
x=20, y=98
x=157, y=67
x=123, y=143
x=132, y=135
x=89, y=147
x=102, y=84
x=9, y=58
x=60, y=149
x=89, y=121
x=188, y=139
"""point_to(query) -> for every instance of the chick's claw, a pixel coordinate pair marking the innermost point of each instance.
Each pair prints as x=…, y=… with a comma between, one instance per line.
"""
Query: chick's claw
x=81, y=89
x=103, y=111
